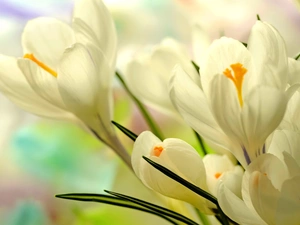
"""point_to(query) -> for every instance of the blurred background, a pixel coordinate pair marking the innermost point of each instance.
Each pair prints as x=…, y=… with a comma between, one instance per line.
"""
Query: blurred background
x=40, y=158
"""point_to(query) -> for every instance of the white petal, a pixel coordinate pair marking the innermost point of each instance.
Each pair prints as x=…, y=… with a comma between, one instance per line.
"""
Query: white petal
x=216, y=166
x=269, y=55
x=235, y=208
x=192, y=105
x=142, y=146
x=201, y=42
x=171, y=43
x=291, y=165
x=263, y=111
x=96, y=21
x=84, y=82
x=286, y=141
x=186, y=159
x=291, y=120
x=288, y=211
x=225, y=107
x=14, y=85
x=164, y=59
x=268, y=165
x=294, y=71
x=42, y=82
x=221, y=54
x=148, y=85
x=47, y=38
x=264, y=196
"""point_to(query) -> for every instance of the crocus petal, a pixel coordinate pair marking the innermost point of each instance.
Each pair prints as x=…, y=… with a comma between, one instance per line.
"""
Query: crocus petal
x=150, y=86
x=294, y=71
x=164, y=60
x=263, y=111
x=42, y=82
x=289, y=202
x=226, y=108
x=264, y=196
x=15, y=86
x=47, y=38
x=148, y=75
x=216, y=166
x=269, y=55
x=201, y=42
x=145, y=141
x=234, y=207
x=179, y=157
x=96, y=19
x=291, y=120
x=285, y=141
x=84, y=82
x=269, y=165
x=221, y=54
x=291, y=165
x=192, y=105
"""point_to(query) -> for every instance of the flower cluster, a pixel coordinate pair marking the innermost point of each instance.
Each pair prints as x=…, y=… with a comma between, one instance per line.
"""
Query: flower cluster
x=241, y=99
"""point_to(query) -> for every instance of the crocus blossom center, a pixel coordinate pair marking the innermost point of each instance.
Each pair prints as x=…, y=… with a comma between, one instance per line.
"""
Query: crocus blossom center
x=40, y=64
x=157, y=150
x=237, y=77
x=217, y=175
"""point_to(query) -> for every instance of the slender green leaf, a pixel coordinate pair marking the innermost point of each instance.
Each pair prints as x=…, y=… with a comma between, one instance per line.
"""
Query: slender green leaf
x=200, y=140
x=127, y=132
x=111, y=200
x=148, y=118
x=297, y=57
x=190, y=186
x=158, y=209
x=184, y=182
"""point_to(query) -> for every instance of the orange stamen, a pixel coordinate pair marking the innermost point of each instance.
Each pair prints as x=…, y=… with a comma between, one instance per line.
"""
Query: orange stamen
x=40, y=64
x=217, y=175
x=157, y=150
x=239, y=71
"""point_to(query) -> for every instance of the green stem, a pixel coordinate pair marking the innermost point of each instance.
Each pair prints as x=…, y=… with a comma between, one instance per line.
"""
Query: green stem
x=148, y=118
x=202, y=217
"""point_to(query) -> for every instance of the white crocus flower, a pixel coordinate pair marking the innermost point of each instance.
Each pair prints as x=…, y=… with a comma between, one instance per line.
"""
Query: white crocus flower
x=148, y=73
x=177, y=156
x=216, y=166
x=270, y=194
x=270, y=186
x=66, y=72
x=243, y=97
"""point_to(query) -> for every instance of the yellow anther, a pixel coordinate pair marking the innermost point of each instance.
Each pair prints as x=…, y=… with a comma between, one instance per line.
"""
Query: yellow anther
x=217, y=175
x=40, y=64
x=239, y=71
x=157, y=150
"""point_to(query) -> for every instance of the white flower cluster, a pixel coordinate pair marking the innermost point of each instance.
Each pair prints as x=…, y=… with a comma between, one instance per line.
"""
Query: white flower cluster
x=244, y=99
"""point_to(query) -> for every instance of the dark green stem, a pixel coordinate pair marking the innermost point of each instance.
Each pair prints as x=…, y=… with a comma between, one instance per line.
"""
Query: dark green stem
x=148, y=118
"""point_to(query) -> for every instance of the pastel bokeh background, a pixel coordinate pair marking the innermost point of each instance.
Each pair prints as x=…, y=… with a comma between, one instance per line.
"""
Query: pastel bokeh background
x=41, y=158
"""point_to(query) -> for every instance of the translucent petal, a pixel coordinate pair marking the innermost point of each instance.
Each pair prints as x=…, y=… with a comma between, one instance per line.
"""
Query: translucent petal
x=47, y=38
x=96, y=21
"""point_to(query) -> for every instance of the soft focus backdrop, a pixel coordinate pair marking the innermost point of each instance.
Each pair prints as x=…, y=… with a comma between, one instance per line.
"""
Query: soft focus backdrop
x=41, y=158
